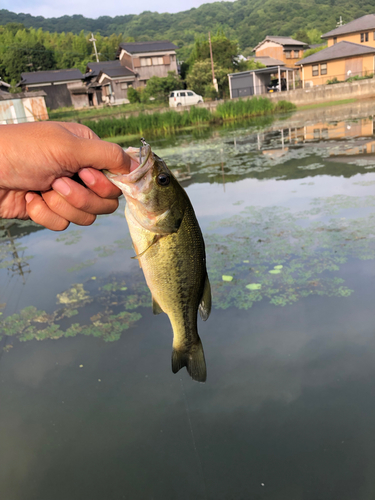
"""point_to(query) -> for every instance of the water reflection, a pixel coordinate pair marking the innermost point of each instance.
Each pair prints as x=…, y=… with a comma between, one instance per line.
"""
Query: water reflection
x=287, y=411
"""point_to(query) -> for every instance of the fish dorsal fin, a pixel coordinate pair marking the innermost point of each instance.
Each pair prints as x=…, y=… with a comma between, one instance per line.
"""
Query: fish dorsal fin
x=156, y=309
x=205, y=304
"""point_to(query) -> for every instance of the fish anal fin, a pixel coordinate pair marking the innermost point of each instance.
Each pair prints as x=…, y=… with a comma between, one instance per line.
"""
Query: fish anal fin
x=156, y=309
x=193, y=359
x=205, y=304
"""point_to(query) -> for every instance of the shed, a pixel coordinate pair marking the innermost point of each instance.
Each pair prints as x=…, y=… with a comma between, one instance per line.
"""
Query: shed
x=22, y=107
x=255, y=82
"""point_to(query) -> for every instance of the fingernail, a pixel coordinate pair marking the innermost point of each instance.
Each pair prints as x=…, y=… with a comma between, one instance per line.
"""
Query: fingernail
x=87, y=177
x=29, y=197
x=61, y=187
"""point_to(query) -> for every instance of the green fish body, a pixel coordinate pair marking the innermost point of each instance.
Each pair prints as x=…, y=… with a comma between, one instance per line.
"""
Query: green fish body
x=170, y=248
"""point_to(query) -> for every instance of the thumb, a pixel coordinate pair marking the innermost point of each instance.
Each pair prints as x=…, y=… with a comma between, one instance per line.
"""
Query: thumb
x=103, y=155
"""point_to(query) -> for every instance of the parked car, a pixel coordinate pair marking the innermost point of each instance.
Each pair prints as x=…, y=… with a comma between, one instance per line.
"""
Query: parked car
x=184, y=98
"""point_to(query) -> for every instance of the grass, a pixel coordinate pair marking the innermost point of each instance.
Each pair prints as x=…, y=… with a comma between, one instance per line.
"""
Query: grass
x=71, y=114
x=169, y=122
x=326, y=104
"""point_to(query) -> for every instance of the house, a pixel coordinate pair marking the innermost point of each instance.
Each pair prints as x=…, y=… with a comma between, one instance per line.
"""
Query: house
x=341, y=60
x=63, y=87
x=148, y=59
x=111, y=79
x=283, y=48
x=361, y=31
x=22, y=107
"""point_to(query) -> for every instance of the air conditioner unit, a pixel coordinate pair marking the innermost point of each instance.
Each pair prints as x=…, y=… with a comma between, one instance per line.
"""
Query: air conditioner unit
x=309, y=84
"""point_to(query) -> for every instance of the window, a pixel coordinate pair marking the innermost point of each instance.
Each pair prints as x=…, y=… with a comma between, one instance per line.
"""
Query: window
x=190, y=94
x=288, y=54
x=171, y=94
x=335, y=39
x=296, y=54
x=182, y=94
x=146, y=61
x=316, y=133
x=157, y=60
x=364, y=37
x=124, y=86
x=323, y=69
x=315, y=70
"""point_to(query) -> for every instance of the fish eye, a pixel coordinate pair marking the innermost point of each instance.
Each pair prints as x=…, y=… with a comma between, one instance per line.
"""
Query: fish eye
x=163, y=179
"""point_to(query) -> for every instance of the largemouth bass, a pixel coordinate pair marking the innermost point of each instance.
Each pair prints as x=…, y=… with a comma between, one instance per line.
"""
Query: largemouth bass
x=170, y=249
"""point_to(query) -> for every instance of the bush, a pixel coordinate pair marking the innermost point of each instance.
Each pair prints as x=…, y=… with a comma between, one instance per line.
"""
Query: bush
x=133, y=95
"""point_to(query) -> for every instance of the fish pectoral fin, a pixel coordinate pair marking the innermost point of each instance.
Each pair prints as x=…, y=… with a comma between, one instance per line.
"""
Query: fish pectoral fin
x=205, y=304
x=193, y=359
x=156, y=309
x=155, y=239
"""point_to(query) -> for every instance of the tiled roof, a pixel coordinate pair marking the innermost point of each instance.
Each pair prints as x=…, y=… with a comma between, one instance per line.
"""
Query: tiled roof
x=141, y=47
x=268, y=61
x=114, y=72
x=60, y=75
x=361, y=24
x=337, y=51
x=282, y=40
x=97, y=67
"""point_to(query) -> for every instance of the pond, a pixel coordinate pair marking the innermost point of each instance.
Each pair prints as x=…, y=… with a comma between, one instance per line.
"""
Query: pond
x=89, y=406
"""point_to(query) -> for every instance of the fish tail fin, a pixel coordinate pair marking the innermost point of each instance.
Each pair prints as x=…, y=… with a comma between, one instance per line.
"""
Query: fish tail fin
x=193, y=358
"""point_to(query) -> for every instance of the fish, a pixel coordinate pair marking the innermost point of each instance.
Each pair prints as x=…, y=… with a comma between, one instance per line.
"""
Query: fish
x=170, y=248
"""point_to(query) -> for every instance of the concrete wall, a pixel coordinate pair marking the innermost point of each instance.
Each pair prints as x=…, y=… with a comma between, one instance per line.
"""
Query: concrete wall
x=325, y=93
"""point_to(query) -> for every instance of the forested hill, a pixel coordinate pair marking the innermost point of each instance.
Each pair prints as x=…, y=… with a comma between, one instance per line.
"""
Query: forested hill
x=248, y=21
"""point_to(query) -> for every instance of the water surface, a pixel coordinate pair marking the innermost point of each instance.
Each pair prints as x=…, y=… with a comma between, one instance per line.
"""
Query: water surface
x=89, y=407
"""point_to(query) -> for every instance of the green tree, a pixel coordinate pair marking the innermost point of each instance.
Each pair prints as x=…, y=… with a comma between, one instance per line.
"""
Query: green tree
x=159, y=88
x=199, y=79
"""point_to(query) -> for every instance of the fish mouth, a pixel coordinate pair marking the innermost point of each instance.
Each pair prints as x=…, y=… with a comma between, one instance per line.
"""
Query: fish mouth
x=138, y=155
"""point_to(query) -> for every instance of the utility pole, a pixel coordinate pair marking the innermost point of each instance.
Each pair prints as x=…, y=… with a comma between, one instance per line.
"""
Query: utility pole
x=339, y=23
x=214, y=81
x=93, y=40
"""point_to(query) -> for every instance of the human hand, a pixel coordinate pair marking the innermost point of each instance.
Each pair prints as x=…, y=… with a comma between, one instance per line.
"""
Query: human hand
x=41, y=158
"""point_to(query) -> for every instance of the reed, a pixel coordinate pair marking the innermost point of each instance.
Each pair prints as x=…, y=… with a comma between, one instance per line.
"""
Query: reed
x=169, y=122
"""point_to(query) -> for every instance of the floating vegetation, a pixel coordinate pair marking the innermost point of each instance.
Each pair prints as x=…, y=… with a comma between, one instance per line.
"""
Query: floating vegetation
x=227, y=278
x=70, y=237
x=311, y=253
x=313, y=166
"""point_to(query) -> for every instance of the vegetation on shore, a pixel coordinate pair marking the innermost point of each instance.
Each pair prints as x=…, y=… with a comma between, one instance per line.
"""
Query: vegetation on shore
x=170, y=121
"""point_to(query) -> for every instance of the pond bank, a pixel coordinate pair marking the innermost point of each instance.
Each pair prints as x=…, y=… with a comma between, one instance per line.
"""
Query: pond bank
x=170, y=122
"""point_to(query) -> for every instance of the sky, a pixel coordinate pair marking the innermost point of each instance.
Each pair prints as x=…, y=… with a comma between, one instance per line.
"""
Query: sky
x=96, y=8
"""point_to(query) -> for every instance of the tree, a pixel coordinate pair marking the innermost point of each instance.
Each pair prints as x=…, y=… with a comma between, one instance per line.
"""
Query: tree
x=20, y=59
x=160, y=87
x=199, y=79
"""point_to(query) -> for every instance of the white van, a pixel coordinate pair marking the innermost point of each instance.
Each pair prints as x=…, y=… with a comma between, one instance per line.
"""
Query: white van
x=183, y=98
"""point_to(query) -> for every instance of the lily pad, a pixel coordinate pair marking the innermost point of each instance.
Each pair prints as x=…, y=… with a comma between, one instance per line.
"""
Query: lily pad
x=275, y=271
x=278, y=267
x=246, y=261
x=227, y=278
x=254, y=286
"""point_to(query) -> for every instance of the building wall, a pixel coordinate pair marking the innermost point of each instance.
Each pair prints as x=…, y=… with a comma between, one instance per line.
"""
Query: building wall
x=342, y=69
x=58, y=96
x=354, y=38
x=275, y=50
x=119, y=90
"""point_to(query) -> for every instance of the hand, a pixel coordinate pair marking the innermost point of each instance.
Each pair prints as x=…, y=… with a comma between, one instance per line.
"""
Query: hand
x=37, y=161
